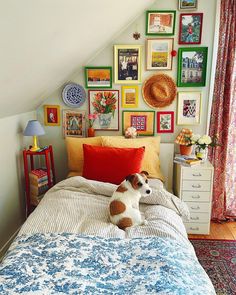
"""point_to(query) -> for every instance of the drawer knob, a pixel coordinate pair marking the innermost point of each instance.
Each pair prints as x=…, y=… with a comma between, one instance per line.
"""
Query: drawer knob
x=196, y=197
x=196, y=174
x=195, y=208
x=194, y=218
x=196, y=185
x=194, y=228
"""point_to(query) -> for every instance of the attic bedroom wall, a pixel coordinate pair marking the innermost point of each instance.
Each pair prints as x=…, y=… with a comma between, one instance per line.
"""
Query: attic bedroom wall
x=105, y=58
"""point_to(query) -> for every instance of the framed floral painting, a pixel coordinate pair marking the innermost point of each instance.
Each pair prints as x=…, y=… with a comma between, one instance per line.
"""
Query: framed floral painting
x=160, y=22
x=98, y=77
x=74, y=123
x=106, y=105
x=189, y=108
x=190, y=28
x=142, y=121
x=52, y=115
x=165, y=122
x=188, y=4
x=129, y=97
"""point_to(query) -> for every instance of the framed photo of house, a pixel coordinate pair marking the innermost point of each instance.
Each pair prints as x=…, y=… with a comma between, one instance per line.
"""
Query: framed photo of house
x=189, y=108
x=160, y=22
x=127, y=63
x=74, y=123
x=129, y=96
x=165, y=122
x=159, y=54
x=190, y=28
x=192, y=66
x=98, y=77
x=143, y=121
x=188, y=4
x=52, y=115
x=104, y=103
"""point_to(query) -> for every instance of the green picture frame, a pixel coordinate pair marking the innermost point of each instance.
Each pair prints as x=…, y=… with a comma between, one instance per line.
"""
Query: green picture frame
x=160, y=22
x=98, y=77
x=192, y=66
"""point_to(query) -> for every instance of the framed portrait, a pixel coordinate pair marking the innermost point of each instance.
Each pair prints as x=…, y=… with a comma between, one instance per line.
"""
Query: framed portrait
x=52, y=115
x=190, y=28
x=160, y=22
x=98, y=77
x=189, y=108
x=127, y=62
x=159, y=53
x=74, y=123
x=192, y=66
x=143, y=121
x=188, y=4
x=106, y=105
x=129, y=97
x=165, y=122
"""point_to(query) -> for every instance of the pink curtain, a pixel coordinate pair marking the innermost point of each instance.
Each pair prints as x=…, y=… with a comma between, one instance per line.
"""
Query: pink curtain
x=223, y=117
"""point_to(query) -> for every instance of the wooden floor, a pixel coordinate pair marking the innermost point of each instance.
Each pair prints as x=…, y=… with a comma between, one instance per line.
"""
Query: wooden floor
x=225, y=231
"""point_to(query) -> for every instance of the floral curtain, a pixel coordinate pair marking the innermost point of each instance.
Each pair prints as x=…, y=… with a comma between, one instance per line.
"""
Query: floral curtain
x=223, y=117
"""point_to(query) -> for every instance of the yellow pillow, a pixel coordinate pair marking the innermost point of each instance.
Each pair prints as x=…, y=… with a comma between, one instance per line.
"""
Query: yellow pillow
x=75, y=154
x=151, y=161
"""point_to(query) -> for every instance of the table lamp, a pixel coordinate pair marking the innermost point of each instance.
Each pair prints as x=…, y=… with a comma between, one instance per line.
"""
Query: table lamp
x=34, y=128
x=182, y=139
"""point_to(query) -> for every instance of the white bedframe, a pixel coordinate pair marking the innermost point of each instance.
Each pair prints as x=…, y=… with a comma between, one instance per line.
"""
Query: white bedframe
x=166, y=159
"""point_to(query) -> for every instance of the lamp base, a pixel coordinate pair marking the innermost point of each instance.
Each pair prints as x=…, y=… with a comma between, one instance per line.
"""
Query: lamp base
x=34, y=148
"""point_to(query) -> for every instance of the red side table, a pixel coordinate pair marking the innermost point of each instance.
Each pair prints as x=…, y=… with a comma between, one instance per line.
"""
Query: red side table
x=49, y=161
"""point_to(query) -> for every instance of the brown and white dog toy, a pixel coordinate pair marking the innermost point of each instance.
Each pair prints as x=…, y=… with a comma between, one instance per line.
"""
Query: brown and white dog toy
x=124, y=205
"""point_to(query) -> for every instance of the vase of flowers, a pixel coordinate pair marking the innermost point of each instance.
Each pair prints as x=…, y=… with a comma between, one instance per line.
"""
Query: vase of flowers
x=201, y=145
x=104, y=104
x=91, y=119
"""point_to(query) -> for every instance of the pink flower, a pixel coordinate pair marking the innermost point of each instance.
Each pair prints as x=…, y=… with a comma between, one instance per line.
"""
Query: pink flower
x=90, y=116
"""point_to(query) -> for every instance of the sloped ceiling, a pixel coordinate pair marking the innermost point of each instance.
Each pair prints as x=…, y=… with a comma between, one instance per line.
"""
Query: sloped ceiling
x=43, y=42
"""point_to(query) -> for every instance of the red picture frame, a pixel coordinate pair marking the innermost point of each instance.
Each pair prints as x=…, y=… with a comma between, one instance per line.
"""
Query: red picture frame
x=165, y=122
x=190, y=28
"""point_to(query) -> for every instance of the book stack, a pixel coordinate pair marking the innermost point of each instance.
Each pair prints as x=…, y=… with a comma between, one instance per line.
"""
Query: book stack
x=186, y=160
x=38, y=180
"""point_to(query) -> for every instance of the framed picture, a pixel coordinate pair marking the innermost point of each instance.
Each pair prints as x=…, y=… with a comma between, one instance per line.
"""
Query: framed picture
x=143, y=121
x=106, y=105
x=189, y=108
x=52, y=115
x=160, y=22
x=192, y=66
x=74, y=123
x=98, y=77
x=188, y=4
x=190, y=28
x=165, y=122
x=127, y=62
x=129, y=96
x=159, y=54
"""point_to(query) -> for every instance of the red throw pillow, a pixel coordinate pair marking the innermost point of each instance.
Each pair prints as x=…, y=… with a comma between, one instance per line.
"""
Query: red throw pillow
x=109, y=164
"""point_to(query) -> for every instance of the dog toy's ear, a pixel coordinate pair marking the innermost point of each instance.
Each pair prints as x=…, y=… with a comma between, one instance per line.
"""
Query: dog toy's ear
x=144, y=172
x=130, y=177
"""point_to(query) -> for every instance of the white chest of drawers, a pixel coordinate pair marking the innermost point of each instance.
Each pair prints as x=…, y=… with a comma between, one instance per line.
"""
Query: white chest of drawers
x=194, y=186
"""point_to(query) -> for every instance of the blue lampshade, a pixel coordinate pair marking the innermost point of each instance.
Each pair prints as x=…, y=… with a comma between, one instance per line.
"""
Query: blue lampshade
x=34, y=128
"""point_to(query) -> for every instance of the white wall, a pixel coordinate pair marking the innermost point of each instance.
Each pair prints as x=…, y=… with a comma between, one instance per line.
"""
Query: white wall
x=12, y=201
x=105, y=58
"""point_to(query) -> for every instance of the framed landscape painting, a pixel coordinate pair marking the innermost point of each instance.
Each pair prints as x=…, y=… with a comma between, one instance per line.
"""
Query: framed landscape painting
x=73, y=123
x=127, y=62
x=104, y=103
x=51, y=115
x=98, y=77
x=129, y=96
x=189, y=108
x=192, y=66
x=188, y=4
x=143, y=121
x=165, y=122
x=190, y=28
x=160, y=22
x=159, y=53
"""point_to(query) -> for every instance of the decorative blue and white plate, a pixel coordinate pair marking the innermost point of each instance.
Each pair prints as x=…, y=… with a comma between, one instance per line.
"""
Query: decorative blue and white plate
x=73, y=95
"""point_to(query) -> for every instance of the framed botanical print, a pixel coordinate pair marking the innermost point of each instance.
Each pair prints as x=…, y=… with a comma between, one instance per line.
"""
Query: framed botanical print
x=129, y=97
x=159, y=53
x=143, y=121
x=127, y=63
x=98, y=77
x=190, y=28
x=74, y=123
x=192, y=66
x=188, y=4
x=165, y=122
x=104, y=103
x=160, y=22
x=52, y=115
x=189, y=108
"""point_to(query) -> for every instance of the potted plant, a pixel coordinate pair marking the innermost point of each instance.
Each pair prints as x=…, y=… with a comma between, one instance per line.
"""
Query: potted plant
x=91, y=119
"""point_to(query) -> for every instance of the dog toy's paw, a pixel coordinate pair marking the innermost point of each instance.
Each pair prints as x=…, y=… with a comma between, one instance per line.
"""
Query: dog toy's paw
x=145, y=222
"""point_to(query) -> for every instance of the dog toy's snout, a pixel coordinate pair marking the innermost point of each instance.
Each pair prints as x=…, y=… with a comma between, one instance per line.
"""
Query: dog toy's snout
x=148, y=191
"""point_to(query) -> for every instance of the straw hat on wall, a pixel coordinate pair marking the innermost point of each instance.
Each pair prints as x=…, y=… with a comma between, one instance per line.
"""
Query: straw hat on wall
x=159, y=91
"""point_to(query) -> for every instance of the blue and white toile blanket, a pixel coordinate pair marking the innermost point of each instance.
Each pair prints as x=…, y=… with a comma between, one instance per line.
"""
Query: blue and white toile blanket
x=81, y=264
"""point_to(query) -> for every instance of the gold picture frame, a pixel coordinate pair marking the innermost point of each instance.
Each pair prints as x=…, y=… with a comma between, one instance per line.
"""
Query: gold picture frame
x=129, y=96
x=52, y=116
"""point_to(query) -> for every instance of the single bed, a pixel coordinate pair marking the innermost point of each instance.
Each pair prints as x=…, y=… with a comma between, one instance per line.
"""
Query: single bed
x=67, y=245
